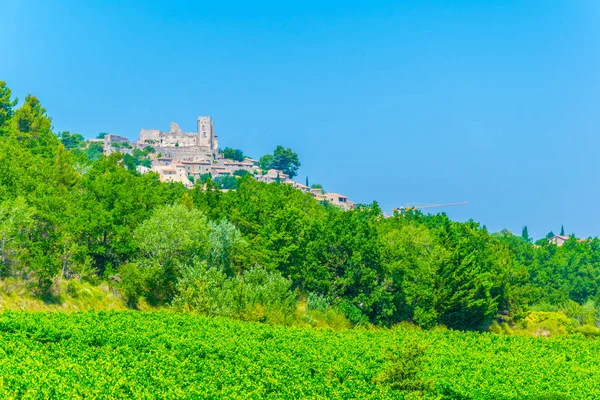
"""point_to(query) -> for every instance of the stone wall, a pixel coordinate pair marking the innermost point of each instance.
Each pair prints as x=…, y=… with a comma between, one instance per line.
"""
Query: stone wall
x=178, y=139
x=185, y=153
x=149, y=136
x=110, y=139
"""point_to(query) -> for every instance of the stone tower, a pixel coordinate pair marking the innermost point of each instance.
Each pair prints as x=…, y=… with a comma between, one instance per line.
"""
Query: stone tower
x=206, y=134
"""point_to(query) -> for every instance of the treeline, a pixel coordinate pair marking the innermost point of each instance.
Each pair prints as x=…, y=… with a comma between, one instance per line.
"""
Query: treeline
x=255, y=252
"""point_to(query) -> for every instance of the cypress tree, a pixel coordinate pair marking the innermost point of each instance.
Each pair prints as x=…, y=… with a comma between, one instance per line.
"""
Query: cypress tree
x=562, y=230
x=525, y=233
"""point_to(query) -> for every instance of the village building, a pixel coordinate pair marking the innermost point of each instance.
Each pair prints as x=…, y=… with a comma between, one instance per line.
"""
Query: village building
x=272, y=175
x=558, y=240
x=298, y=186
x=339, y=200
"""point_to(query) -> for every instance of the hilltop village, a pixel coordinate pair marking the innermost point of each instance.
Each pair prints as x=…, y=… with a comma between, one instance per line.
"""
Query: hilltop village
x=186, y=157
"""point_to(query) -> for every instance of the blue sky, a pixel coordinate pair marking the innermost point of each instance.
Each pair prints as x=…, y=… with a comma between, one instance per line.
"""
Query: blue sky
x=492, y=102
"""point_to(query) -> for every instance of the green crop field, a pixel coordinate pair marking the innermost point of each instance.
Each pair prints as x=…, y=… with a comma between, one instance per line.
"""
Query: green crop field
x=178, y=355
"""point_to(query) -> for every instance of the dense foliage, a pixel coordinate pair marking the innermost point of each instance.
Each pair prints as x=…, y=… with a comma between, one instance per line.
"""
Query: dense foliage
x=267, y=248
x=233, y=154
x=172, y=355
x=282, y=159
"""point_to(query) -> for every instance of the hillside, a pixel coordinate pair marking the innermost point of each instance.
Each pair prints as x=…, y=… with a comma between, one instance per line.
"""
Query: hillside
x=179, y=355
x=257, y=252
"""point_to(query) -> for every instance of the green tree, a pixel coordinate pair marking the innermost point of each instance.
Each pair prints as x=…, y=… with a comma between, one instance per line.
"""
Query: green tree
x=265, y=162
x=226, y=182
x=283, y=159
x=71, y=140
x=15, y=220
x=7, y=105
x=240, y=172
x=226, y=247
x=562, y=230
x=94, y=151
x=525, y=234
x=413, y=260
x=113, y=203
x=173, y=233
x=173, y=237
x=233, y=154
x=31, y=117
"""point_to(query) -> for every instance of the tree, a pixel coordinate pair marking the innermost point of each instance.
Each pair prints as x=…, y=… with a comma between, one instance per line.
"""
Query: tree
x=31, y=117
x=282, y=159
x=233, y=154
x=413, y=260
x=203, y=178
x=173, y=233
x=265, y=162
x=15, y=219
x=241, y=172
x=71, y=140
x=562, y=230
x=173, y=237
x=307, y=182
x=94, y=151
x=6, y=104
x=225, y=246
x=226, y=182
x=101, y=135
x=525, y=234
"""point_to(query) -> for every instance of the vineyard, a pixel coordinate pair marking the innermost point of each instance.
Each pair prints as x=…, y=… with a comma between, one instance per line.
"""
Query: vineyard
x=177, y=355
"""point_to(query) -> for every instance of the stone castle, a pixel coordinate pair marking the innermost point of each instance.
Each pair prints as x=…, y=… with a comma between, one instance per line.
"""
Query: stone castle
x=184, y=157
x=176, y=144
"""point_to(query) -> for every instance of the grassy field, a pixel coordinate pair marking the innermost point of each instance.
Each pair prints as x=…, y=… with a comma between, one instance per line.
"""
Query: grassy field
x=177, y=355
x=68, y=295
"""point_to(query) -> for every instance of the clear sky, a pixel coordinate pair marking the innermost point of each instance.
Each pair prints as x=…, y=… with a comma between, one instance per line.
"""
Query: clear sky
x=492, y=102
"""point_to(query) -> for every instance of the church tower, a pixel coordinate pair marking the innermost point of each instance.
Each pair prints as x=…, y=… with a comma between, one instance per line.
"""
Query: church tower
x=206, y=134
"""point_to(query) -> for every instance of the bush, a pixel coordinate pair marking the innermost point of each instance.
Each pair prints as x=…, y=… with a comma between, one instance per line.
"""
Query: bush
x=255, y=295
x=541, y=323
x=317, y=302
x=353, y=313
x=588, y=330
x=404, y=369
x=140, y=281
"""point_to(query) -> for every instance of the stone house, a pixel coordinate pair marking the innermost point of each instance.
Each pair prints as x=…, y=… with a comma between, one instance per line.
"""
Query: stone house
x=339, y=200
x=298, y=186
x=558, y=240
x=272, y=175
x=197, y=168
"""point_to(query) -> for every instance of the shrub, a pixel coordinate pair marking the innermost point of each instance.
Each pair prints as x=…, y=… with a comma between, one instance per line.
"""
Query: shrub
x=353, y=313
x=255, y=295
x=317, y=302
x=141, y=280
x=404, y=368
